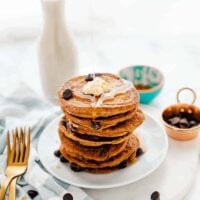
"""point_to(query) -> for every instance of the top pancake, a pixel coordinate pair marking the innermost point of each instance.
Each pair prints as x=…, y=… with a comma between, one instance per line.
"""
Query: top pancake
x=80, y=104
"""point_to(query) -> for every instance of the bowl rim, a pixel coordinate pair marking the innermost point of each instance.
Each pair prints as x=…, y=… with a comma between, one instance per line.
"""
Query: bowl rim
x=160, y=85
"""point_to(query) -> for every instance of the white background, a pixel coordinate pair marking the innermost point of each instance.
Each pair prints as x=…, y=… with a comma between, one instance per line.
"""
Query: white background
x=161, y=33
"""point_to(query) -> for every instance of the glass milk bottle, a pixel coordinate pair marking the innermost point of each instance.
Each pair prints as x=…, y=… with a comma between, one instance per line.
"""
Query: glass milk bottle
x=57, y=53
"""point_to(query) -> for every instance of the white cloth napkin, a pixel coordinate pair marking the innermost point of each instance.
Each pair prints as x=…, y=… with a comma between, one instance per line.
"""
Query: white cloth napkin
x=24, y=108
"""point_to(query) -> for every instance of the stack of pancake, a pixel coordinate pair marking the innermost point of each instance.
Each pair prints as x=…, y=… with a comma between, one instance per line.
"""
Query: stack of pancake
x=97, y=131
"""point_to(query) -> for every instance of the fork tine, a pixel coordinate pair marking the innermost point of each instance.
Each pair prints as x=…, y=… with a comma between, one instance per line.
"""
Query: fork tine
x=17, y=152
x=27, y=151
x=8, y=144
x=13, y=148
x=22, y=146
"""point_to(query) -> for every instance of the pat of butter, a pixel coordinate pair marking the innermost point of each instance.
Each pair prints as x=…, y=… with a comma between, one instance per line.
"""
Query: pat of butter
x=96, y=87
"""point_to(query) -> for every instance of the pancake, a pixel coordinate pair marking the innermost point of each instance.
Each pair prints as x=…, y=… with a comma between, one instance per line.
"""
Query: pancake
x=101, y=153
x=126, y=163
x=119, y=129
x=88, y=140
x=125, y=98
x=131, y=147
x=88, y=125
x=104, y=122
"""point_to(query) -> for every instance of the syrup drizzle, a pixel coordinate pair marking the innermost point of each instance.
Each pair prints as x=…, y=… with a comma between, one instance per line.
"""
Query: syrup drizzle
x=126, y=86
x=115, y=90
x=91, y=14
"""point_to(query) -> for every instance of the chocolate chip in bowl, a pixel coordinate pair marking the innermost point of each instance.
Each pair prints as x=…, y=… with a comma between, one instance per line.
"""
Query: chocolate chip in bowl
x=67, y=196
x=182, y=120
x=32, y=193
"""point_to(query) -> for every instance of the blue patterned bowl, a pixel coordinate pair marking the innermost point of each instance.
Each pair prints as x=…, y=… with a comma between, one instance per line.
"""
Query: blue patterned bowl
x=148, y=81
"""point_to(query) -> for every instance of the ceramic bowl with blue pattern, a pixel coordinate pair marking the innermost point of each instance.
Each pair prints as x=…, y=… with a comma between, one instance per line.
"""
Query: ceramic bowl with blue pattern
x=148, y=81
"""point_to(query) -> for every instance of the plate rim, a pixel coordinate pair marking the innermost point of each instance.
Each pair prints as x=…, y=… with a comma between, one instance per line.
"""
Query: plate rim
x=110, y=185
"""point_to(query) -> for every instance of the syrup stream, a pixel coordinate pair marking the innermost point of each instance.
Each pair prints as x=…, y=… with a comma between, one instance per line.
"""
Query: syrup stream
x=126, y=86
x=117, y=89
x=91, y=14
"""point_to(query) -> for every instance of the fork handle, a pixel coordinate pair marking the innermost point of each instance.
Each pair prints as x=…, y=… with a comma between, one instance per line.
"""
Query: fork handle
x=12, y=192
x=4, y=187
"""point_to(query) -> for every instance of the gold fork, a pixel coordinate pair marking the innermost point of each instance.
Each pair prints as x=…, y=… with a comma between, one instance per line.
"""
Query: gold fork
x=18, y=156
x=22, y=144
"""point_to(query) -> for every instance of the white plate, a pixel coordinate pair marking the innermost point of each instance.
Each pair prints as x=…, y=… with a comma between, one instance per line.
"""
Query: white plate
x=156, y=143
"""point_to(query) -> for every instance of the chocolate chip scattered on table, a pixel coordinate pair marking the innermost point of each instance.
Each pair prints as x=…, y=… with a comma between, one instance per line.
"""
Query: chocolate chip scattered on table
x=155, y=195
x=32, y=193
x=67, y=196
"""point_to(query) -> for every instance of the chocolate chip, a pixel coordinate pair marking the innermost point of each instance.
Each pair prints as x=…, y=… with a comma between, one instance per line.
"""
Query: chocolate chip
x=183, y=123
x=174, y=120
x=103, y=152
x=186, y=115
x=155, y=195
x=193, y=123
x=75, y=167
x=96, y=125
x=67, y=196
x=32, y=193
x=183, y=120
x=67, y=94
x=139, y=152
x=89, y=77
x=57, y=153
x=122, y=165
x=63, y=159
x=64, y=123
